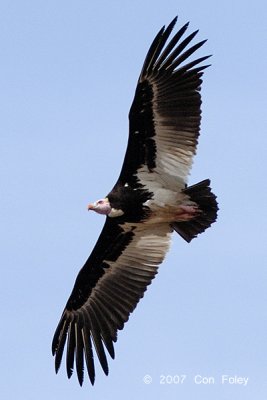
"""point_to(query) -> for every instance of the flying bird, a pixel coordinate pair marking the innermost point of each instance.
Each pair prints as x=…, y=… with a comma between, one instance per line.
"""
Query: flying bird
x=149, y=201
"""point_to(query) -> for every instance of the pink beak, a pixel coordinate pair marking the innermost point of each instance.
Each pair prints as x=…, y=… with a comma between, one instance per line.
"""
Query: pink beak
x=90, y=207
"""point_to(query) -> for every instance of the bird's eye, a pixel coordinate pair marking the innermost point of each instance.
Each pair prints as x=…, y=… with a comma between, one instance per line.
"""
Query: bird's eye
x=100, y=202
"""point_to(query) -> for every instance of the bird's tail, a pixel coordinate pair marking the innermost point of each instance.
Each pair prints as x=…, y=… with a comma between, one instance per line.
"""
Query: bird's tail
x=201, y=194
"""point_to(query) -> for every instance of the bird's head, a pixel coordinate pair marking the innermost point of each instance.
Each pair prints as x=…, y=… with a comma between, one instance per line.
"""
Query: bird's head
x=101, y=206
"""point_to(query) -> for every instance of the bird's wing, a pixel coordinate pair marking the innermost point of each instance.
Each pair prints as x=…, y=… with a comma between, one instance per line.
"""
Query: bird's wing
x=108, y=287
x=165, y=114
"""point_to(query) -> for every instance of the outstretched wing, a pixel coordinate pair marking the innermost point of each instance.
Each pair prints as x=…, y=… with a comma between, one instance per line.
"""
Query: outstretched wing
x=165, y=114
x=108, y=287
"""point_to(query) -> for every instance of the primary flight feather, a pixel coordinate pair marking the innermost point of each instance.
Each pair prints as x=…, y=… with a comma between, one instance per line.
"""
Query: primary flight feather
x=150, y=200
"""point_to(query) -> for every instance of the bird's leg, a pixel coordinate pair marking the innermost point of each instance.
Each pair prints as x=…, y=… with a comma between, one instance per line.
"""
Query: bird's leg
x=185, y=213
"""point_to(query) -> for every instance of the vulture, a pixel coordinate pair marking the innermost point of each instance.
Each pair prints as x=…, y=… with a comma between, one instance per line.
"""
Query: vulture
x=149, y=201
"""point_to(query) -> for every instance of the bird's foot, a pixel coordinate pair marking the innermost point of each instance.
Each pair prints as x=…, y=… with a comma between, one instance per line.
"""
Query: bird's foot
x=186, y=213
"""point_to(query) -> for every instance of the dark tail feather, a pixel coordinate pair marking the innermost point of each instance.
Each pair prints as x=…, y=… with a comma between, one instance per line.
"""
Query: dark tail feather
x=206, y=201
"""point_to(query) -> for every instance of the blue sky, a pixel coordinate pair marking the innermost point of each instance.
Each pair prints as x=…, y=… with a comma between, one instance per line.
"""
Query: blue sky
x=68, y=75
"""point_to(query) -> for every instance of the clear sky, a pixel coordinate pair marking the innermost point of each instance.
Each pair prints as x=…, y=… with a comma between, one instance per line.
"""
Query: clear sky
x=68, y=75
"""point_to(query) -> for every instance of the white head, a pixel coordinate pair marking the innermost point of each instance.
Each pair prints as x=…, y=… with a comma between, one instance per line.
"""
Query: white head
x=101, y=206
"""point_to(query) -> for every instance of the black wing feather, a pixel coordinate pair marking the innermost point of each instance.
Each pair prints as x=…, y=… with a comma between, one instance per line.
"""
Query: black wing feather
x=96, y=336
x=79, y=352
x=59, y=341
x=169, y=63
x=70, y=349
x=157, y=46
x=171, y=45
x=88, y=353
